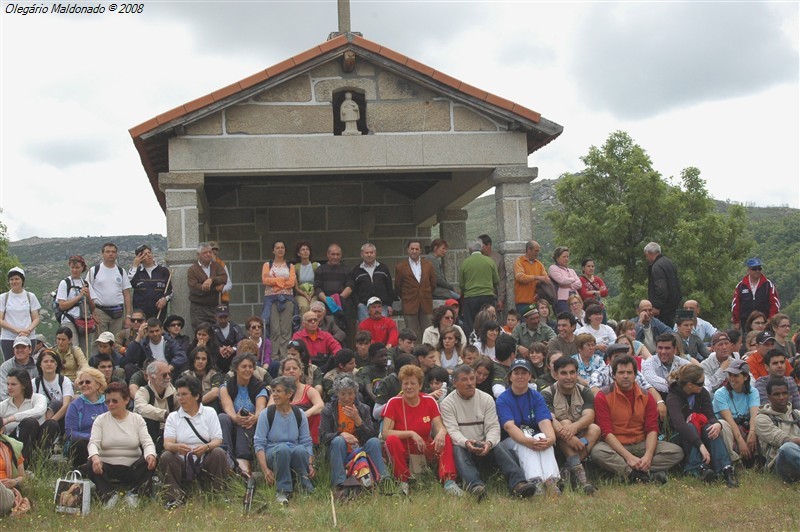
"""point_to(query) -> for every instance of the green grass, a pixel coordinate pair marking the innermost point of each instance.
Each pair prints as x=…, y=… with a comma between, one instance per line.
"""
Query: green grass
x=762, y=502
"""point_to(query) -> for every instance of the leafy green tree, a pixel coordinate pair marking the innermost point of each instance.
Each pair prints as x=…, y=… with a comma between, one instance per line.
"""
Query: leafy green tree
x=7, y=260
x=619, y=203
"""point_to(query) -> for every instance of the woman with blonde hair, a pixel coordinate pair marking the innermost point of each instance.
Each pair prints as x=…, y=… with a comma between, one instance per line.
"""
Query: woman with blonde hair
x=82, y=413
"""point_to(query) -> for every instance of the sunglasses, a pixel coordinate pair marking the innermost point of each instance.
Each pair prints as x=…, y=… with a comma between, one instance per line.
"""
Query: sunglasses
x=87, y=381
x=112, y=401
x=137, y=320
x=756, y=269
x=176, y=324
x=256, y=326
x=164, y=375
x=699, y=384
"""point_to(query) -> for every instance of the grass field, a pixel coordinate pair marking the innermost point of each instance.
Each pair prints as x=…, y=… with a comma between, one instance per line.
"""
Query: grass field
x=762, y=502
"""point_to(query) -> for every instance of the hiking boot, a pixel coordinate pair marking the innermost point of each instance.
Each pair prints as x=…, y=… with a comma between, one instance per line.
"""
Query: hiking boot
x=478, y=491
x=552, y=484
x=706, y=474
x=730, y=477
x=340, y=494
x=660, y=477
x=578, y=473
x=524, y=490
x=638, y=477
x=282, y=500
x=451, y=488
x=566, y=477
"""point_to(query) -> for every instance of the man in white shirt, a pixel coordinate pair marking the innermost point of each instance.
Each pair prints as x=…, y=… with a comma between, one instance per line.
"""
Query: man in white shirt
x=109, y=288
x=414, y=283
x=717, y=362
x=657, y=368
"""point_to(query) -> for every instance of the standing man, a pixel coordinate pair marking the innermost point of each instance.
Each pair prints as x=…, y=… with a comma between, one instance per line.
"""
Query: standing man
x=478, y=277
x=663, y=285
x=333, y=280
x=528, y=272
x=414, y=283
x=754, y=292
x=372, y=279
x=206, y=279
x=470, y=417
x=149, y=283
x=109, y=289
x=444, y=289
x=500, y=264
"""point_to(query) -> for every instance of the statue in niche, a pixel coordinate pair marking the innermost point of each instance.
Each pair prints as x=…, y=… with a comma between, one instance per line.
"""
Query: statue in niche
x=349, y=114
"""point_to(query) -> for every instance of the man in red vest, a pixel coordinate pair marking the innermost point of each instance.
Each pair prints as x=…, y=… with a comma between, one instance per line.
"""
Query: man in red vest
x=628, y=420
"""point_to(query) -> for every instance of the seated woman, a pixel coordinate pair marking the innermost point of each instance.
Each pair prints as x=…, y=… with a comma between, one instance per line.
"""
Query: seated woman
x=412, y=427
x=192, y=445
x=344, y=361
x=202, y=369
x=443, y=317
x=23, y=415
x=54, y=386
x=486, y=314
x=575, y=306
x=120, y=448
x=204, y=337
x=483, y=374
x=12, y=474
x=527, y=429
x=630, y=343
x=628, y=329
x=347, y=425
x=756, y=321
x=306, y=397
x=242, y=399
x=72, y=357
x=537, y=355
x=254, y=328
x=737, y=404
x=545, y=313
x=311, y=373
x=81, y=414
x=487, y=337
x=449, y=349
x=588, y=361
x=700, y=432
x=593, y=324
x=173, y=326
x=283, y=442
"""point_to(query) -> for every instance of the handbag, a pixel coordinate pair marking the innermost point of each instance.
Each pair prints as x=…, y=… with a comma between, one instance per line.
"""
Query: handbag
x=417, y=463
x=73, y=495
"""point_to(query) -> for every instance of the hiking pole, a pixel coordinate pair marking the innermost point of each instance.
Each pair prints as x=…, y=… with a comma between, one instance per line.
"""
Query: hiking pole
x=166, y=287
x=86, y=327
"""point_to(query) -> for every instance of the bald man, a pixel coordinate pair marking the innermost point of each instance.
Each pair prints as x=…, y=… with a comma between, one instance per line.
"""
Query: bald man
x=528, y=272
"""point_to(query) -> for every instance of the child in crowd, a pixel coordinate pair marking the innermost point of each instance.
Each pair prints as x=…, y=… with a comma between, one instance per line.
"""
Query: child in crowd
x=512, y=320
x=363, y=339
x=470, y=354
x=438, y=378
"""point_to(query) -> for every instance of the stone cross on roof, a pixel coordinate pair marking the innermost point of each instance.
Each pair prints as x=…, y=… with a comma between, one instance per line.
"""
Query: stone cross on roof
x=344, y=16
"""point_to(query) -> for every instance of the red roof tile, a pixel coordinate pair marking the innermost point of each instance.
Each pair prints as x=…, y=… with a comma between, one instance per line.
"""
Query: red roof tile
x=327, y=46
x=255, y=79
x=200, y=102
x=419, y=67
x=447, y=80
x=144, y=127
x=224, y=92
x=281, y=67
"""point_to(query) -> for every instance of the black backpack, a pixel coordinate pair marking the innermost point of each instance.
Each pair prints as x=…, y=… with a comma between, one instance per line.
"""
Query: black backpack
x=58, y=314
x=298, y=416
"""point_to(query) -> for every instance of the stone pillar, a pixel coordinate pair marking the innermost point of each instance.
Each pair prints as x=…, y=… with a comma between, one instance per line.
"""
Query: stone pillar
x=512, y=197
x=453, y=228
x=187, y=210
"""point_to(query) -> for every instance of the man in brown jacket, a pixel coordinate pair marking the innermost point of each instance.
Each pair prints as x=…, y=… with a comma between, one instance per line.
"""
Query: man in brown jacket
x=206, y=280
x=414, y=283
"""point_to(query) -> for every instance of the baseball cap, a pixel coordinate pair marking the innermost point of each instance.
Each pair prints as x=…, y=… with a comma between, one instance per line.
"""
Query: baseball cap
x=451, y=303
x=16, y=270
x=737, y=366
x=532, y=309
x=719, y=336
x=222, y=310
x=617, y=348
x=764, y=337
x=214, y=245
x=374, y=299
x=105, y=338
x=753, y=262
x=22, y=340
x=521, y=363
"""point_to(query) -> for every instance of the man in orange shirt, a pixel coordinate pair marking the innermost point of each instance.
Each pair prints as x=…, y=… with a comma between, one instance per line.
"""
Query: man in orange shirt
x=528, y=272
x=765, y=342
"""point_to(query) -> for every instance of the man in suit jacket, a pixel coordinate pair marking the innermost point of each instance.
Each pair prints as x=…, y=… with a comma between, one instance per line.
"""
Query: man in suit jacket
x=414, y=283
x=206, y=279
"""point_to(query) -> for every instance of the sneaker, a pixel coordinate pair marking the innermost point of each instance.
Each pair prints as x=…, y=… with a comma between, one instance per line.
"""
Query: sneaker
x=478, y=491
x=132, y=500
x=282, y=500
x=706, y=474
x=660, y=477
x=730, y=477
x=403, y=486
x=112, y=502
x=451, y=488
x=172, y=505
x=524, y=490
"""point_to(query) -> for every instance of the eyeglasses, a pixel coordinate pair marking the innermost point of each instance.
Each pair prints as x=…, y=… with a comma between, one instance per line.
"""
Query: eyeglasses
x=137, y=320
x=756, y=268
x=699, y=384
x=255, y=326
x=176, y=324
x=164, y=375
x=112, y=401
x=87, y=381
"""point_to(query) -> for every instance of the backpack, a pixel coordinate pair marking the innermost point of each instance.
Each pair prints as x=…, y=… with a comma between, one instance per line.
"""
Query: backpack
x=37, y=382
x=298, y=416
x=58, y=313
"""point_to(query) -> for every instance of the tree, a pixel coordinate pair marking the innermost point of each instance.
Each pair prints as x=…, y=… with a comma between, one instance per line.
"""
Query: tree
x=7, y=260
x=619, y=203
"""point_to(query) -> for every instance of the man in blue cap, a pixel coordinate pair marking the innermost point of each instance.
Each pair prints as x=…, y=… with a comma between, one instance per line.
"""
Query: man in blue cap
x=754, y=292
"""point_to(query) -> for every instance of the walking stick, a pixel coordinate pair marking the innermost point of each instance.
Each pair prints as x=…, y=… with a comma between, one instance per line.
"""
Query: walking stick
x=166, y=286
x=86, y=326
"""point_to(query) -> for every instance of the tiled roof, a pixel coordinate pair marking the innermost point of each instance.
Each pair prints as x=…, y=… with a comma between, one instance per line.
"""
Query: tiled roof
x=150, y=137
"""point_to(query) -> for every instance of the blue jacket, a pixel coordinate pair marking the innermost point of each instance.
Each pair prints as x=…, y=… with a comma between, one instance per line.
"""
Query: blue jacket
x=658, y=326
x=141, y=353
x=81, y=414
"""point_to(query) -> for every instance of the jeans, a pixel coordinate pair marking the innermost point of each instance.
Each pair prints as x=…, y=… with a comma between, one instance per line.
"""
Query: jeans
x=283, y=460
x=787, y=463
x=471, y=307
x=363, y=312
x=716, y=448
x=467, y=465
x=338, y=454
x=237, y=439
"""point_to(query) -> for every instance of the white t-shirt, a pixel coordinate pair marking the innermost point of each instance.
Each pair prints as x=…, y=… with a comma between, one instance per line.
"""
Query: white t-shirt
x=56, y=393
x=603, y=335
x=158, y=350
x=17, y=309
x=66, y=293
x=106, y=289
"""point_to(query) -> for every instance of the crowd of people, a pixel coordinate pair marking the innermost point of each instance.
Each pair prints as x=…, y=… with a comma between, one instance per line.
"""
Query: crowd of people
x=385, y=373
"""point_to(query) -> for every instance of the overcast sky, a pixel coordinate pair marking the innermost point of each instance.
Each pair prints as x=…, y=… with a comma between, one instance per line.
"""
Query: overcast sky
x=711, y=85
